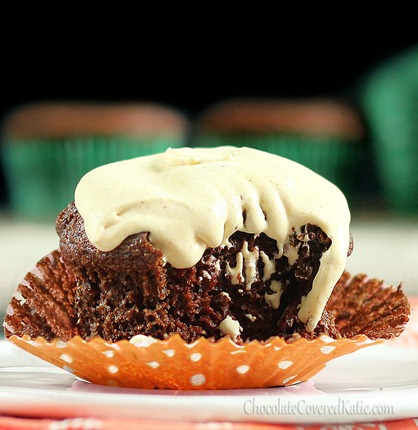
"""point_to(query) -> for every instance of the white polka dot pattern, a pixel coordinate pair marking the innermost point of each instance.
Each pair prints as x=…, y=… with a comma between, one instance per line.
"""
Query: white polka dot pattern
x=60, y=344
x=327, y=349
x=174, y=364
x=169, y=352
x=243, y=369
x=286, y=380
x=66, y=358
x=238, y=351
x=197, y=380
x=285, y=364
x=327, y=339
x=196, y=356
x=141, y=340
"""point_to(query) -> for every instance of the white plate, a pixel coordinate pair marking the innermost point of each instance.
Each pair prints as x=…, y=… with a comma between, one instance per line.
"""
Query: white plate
x=374, y=384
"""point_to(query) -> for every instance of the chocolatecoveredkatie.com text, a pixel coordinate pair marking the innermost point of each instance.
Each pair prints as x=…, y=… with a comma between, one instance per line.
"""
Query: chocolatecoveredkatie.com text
x=302, y=407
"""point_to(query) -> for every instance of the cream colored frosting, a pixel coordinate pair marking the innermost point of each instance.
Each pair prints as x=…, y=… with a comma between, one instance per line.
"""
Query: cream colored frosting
x=231, y=328
x=193, y=199
x=273, y=299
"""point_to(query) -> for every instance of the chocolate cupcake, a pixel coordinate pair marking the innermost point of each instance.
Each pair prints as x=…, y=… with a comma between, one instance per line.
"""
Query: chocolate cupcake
x=49, y=146
x=325, y=135
x=197, y=258
x=214, y=297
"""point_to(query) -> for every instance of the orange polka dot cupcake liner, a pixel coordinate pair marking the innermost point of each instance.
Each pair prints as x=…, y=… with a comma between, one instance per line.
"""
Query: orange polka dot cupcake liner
x=145, y=362
x=148, y=363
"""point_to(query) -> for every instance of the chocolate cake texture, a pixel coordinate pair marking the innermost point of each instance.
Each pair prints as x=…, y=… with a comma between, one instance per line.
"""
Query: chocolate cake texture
x=131, y=290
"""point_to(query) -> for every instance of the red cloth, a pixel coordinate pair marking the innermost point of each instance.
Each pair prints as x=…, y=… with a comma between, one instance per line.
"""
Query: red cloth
x=9, y=423
x=408, y=339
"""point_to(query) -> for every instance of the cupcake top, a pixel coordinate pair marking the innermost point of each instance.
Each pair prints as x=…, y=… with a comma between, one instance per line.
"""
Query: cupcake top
x=321, y=117
x=74, y=119
x=193, y=199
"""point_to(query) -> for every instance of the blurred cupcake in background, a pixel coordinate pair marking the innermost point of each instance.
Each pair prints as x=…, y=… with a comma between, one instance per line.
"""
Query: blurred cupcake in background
x=325, y=135
x=47, y=147
x=3, y=195
x=389, y=99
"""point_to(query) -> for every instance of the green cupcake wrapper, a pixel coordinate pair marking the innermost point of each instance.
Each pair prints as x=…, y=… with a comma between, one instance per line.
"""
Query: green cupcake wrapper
x=42, y=174
x=390, y=103
x=333, y=158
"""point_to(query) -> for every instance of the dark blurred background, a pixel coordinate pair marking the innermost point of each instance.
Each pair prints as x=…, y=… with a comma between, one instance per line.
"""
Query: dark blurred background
x=191, y=79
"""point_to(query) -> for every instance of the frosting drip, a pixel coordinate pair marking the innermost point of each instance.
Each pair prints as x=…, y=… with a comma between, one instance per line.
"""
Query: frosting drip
x=193, y=199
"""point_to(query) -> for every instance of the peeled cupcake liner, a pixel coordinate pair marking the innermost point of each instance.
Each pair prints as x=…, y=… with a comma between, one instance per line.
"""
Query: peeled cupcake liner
x=148, y=363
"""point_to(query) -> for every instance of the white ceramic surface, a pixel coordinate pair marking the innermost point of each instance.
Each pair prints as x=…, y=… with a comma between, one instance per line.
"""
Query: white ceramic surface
x=374, y=384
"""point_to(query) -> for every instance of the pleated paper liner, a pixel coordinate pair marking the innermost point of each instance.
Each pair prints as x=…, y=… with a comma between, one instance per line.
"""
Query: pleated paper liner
x=43, y=301
x=149, y=363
